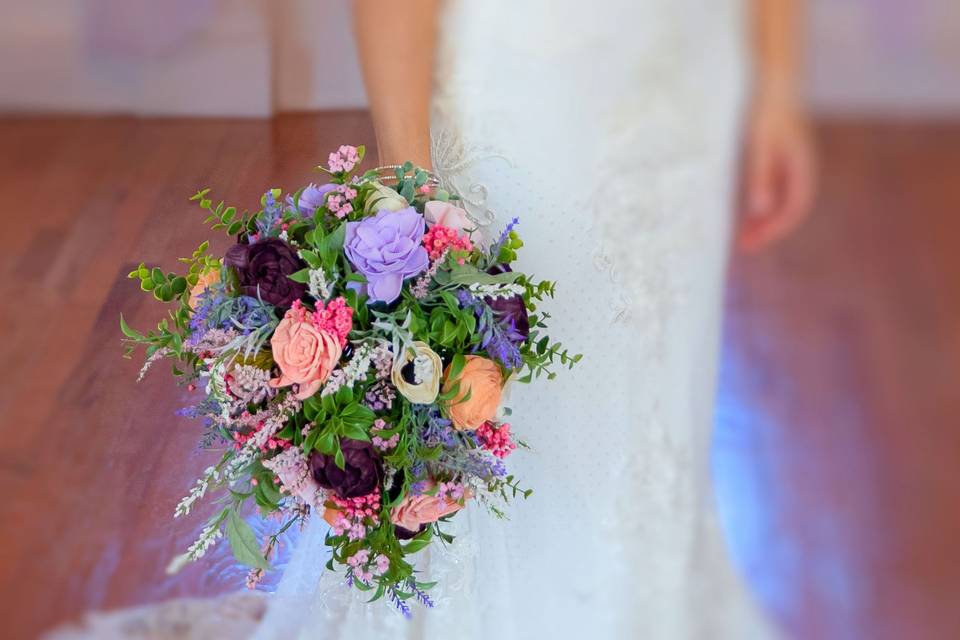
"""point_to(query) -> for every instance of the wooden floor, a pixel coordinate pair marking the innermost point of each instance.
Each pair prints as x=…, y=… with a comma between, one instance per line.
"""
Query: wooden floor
x=838, y=431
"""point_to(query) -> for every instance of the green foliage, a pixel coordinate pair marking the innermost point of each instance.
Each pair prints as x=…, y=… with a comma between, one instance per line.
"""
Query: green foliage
x=166, y=287
x=336, y=416
x=223, y=217
x=243, y=542
x=199, y=263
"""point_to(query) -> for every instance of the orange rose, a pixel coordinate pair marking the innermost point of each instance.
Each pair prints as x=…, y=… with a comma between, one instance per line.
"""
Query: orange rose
x=206, y=279
x=414, y=511
x=480, y=377
x=305, y=354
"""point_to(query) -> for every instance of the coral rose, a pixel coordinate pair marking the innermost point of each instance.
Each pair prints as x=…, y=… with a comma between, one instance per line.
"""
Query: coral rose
x=416, y=511
x=480, y=377
x=207, y=278
x=305, y=354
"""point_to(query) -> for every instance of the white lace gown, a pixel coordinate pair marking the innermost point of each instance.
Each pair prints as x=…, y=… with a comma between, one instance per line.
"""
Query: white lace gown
x=610, y=129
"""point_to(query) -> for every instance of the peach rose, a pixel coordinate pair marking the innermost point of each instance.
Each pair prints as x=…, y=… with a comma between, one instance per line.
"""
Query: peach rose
x=306, y=355
x=414, y=511
x=448, y=215
x=331, y=516
x=207, y=278
x=480, y=377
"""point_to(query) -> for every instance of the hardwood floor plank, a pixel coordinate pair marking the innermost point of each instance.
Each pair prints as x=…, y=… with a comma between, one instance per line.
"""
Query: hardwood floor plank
x=836, y=444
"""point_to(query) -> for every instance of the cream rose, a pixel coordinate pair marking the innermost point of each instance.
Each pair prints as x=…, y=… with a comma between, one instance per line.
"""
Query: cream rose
x=383, y=197
x=305, y=354
x=481, y=378
x=427, y=368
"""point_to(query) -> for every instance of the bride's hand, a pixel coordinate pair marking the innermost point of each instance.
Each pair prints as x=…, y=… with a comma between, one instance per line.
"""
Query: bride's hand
x=779, y=172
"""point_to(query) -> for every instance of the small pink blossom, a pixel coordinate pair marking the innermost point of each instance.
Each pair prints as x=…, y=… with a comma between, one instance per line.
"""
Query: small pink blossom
x=343, y=159
x=339, y=200
x=496, y=440
x=383, y=564
x=440, y=239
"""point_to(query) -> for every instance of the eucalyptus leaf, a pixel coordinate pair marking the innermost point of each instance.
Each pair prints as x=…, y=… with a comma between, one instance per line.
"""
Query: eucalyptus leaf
x=243, y=542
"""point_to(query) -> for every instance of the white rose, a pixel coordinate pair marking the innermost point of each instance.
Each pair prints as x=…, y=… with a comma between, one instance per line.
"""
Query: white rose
x=427, y=370
x=383, y=197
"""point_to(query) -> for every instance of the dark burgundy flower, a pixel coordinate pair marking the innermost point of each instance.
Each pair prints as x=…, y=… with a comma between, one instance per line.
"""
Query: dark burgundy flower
x=406, y=534
x=361, y=473
x=511, y=312
x=262, y=269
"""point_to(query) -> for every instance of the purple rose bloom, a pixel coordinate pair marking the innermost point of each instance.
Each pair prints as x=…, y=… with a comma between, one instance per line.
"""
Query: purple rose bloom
x=311, y=197
x=262, y=269
x=511, y=312
x=386, y=249
x=360, y=475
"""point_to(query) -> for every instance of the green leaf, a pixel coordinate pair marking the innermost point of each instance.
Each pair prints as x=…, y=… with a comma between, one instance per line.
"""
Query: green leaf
x=128, y=331
x=418, y=543
x=355, y=432
x=357, y=415
x=339, y=459
x=243, y=542
x=456, y=366
x=302, y=276
x=312, y=259
x=326, y=443
x=468, y=274
x=179, y=285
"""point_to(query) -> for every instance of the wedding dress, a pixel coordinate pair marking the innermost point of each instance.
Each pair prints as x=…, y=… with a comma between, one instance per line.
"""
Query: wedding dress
x=610, y=130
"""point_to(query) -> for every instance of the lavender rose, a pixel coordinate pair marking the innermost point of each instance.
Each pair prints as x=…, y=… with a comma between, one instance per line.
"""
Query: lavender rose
x=361, y=473
x=386, y=249
x=311, y=197
x=262, y=269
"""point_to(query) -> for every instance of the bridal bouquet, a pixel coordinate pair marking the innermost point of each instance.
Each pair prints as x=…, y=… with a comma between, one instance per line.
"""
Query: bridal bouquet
x=349, y=354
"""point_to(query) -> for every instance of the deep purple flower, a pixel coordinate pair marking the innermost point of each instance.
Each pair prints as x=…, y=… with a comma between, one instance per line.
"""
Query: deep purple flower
x=386, y=249
x=403, y=533
x=311, y=197
x=262, y=270
x=361, y=474
x=510, y=312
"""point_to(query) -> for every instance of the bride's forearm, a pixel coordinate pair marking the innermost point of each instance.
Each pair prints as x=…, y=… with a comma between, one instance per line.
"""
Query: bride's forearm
x=396, y=42
x=777, y=49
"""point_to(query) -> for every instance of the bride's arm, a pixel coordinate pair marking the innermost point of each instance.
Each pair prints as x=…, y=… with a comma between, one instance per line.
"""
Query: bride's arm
x=396, y=42
x=779, y=167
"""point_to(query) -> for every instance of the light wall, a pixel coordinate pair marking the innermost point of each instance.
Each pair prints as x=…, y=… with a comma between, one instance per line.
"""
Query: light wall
x=257, y=57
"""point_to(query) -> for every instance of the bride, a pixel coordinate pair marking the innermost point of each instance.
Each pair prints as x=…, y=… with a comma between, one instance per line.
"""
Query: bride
x=612, y=129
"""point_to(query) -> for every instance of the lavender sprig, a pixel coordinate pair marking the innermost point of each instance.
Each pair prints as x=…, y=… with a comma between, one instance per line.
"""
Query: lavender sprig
x=496, y=246
x=421, y=595
x=398, y=602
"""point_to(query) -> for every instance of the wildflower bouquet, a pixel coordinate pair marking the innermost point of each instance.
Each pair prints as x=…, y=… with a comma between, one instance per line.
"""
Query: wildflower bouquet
x=352, y=348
